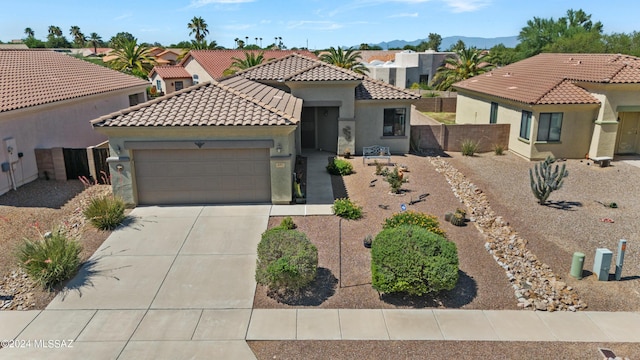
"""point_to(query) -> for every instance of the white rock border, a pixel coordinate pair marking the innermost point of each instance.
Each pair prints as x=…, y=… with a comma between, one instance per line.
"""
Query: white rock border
x=535, y=285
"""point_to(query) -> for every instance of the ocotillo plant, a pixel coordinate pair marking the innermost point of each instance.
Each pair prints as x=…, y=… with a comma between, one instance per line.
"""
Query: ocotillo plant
x=547, y=179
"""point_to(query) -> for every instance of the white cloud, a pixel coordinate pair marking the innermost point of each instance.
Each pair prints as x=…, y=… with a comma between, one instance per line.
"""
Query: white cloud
x=124, y=16
x=404, y=15
x=314, y=25
x=459, y=6
x=201, y=3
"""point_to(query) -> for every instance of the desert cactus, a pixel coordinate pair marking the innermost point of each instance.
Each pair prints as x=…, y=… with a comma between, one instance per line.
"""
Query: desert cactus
x=547, y=179
x=457, y=219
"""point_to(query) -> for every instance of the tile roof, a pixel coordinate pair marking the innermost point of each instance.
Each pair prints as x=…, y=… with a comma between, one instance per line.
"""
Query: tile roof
x=36, y=77
x=215, y=62
x=294, y=68
x=555, y=78
x=211, y=104
x=372, y=89
x=170, y=72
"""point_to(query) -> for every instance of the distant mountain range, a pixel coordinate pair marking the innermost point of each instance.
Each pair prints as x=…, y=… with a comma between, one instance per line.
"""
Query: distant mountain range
x=478, y=42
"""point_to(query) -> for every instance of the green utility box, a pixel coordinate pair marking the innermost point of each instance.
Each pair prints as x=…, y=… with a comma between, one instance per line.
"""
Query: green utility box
x=577, y=265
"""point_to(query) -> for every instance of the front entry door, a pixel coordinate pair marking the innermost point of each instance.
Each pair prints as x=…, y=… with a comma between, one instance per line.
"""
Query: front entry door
x=308, y=128
x=629, y=129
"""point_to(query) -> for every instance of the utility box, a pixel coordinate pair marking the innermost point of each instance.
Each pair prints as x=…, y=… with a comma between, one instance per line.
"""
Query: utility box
x=602, y=263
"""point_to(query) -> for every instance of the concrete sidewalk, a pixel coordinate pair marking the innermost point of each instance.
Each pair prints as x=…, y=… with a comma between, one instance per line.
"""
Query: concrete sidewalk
x=436, y=324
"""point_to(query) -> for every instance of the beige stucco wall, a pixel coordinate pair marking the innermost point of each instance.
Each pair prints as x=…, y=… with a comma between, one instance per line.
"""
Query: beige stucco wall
x=194, y=68
x=61, y=124
x=168, y=85
x=369, y=121
x=123, y=180
x=577, y=125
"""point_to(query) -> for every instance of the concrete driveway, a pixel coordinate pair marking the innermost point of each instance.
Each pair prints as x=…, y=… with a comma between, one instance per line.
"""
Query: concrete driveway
x=176, y=282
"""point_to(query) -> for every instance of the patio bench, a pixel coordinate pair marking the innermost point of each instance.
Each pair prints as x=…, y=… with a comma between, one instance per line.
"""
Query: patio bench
x=603, y=161
x=376, y=152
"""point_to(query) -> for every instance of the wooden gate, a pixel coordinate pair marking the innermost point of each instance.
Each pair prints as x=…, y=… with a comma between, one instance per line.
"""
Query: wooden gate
x=76, y=163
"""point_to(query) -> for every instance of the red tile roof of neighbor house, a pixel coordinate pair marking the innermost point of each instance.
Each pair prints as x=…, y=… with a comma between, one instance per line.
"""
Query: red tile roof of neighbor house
x=555, y=78
x=215, y=62
x=212, y=104
x=298, y=68
x=35, y=77
x=170, y=72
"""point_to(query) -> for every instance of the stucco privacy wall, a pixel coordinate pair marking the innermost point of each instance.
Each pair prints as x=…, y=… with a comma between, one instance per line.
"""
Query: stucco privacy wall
x=369, y=125
x=122, y=160
x=450, y=137
x=60, y=124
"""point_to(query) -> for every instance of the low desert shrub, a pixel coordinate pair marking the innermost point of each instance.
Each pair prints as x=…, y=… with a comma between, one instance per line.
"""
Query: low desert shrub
x=498, y=149
x=379, y=167
x=469, y=147
x=395, y=179
x=410, y=259
x=339, y=167
x=50, y=260
x=287, y=261
x=287, y=223
x=428, y=222
x=345, y=208
x=105, y=212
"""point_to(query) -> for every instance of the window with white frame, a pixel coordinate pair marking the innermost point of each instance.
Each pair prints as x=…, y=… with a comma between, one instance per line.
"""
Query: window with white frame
x=493, y=115
x=549, y=127
x=525, y=125
x=179, y=85
x=159, y=85
x=196, y=79
x=394, y=122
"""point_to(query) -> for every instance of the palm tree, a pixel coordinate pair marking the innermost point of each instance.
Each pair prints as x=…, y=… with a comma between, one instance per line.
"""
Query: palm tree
x=95, y=40
x=132, y=58
x=236, y=41
x=55, y=31
x=469, y=63
x=198, y=27
x=78, y=37
x=251, y=59
x=29, y=32
x=349, y=59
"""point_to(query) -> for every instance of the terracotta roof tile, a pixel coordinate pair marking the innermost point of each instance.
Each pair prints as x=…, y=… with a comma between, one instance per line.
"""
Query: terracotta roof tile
x=170, y=72
x=215, y=62
x=36, y=77
x=371, y=89
x=555, y=78
x=211, y=104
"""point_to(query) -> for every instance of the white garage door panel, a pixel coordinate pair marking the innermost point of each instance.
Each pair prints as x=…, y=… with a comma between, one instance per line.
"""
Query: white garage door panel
x=203, y=176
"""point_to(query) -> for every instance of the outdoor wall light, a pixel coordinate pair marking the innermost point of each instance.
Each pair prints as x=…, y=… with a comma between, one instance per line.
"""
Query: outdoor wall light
x=119, y=167
x=279, y=148
x=118, y=149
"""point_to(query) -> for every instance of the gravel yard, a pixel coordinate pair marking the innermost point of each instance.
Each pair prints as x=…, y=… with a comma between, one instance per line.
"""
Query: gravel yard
x=572, y=222
x=482, y=284
x=29, y=212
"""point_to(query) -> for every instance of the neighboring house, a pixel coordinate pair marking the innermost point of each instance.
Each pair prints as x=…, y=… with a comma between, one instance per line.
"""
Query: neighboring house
x=168, y=79
x=236, y=141
x=47, y=100
x=408, y=67
x=563, y=105
x=167, y=57
x=14, y=46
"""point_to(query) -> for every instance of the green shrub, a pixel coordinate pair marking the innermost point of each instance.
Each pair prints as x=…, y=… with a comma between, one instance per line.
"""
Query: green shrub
x=412, y=260
x=469, y=147
x=105, y=213
x=395, y=179
x=428, y=222
x=379, y=167
x=339, y=167
x=498, y=149
x=345, y=208
x=287, y=223
x=50, y=260
x=287, y=260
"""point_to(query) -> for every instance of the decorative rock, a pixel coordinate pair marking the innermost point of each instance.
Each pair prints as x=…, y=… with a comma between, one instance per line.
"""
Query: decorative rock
x=531, y=279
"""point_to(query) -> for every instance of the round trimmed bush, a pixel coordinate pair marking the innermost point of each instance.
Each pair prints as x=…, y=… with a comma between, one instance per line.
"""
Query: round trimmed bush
x=347, y=209
x=412, y=260
x=339, y=167
x=287, y=260
x=105, y=212
x=423, y=220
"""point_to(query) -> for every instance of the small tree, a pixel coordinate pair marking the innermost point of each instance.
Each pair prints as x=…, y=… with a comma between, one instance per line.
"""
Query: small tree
x=395, y=179
x=547, y=179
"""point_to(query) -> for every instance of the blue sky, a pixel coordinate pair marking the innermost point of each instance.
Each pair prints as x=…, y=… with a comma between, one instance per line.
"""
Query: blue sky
x=318, y=23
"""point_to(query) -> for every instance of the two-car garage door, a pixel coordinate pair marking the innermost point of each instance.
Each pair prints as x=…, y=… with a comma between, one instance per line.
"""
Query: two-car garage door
x=203, y=176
